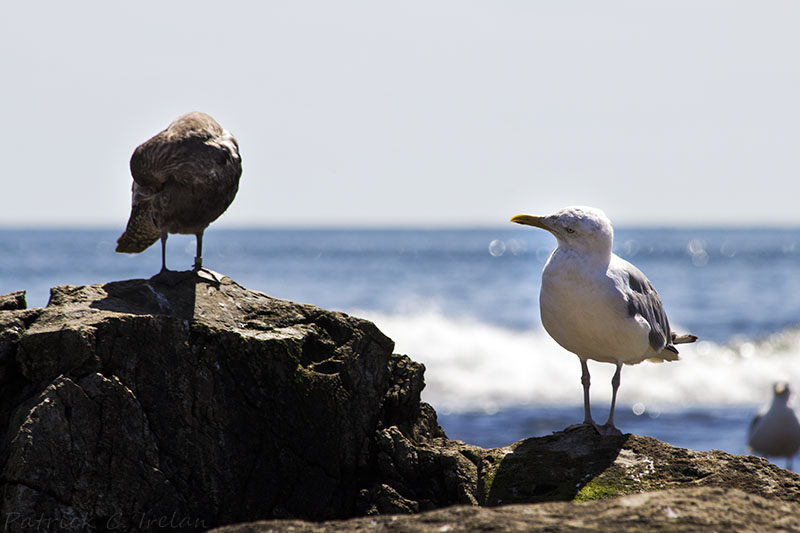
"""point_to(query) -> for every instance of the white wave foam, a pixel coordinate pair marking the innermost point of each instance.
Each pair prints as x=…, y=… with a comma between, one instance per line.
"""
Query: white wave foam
x=473, y=366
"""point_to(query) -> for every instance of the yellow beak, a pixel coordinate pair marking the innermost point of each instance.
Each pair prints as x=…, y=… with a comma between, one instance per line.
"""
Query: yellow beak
x=529, y=220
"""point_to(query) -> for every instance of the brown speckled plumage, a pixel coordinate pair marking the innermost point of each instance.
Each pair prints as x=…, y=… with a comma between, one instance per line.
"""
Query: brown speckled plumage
x=184, y=178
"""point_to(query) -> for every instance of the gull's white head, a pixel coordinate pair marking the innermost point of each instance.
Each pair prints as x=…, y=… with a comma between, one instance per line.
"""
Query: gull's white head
x=584, y=229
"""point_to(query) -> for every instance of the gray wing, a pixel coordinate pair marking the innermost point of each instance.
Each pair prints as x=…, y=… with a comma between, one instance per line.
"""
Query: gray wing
x=643, y=300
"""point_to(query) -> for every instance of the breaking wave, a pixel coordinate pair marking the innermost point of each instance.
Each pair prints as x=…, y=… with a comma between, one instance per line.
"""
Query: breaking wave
x=474, y=366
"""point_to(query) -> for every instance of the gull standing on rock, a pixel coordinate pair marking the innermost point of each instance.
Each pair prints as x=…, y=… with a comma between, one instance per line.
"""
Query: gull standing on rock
x=184, y=178
x=776, y=431
x=597, y=305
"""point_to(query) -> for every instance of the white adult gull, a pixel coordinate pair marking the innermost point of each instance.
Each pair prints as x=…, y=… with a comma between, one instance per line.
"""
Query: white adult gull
x=597, y=305
x=776, y=432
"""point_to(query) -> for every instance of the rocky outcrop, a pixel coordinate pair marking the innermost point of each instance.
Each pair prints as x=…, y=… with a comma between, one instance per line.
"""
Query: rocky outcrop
x=692, y=509
x=135, y=405
x=13, y=301
x=579, y=465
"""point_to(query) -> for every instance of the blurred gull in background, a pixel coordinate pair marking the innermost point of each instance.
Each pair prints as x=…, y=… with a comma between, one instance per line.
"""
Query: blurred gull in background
x=775, y=432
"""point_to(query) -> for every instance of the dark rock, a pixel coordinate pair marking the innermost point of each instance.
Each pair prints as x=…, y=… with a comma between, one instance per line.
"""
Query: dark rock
x=134, y=406
x=13, y=301
x=580, y=465
x=694, y=509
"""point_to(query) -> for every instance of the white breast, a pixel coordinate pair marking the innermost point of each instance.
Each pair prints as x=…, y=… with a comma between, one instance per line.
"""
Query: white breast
x=777, y=434
x=583, y=309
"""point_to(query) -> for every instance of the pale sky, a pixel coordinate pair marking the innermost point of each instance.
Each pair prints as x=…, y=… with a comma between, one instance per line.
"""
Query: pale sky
x=415, y=113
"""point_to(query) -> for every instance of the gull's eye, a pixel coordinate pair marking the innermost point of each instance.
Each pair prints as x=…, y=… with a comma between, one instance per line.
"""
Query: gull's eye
x=569, y=230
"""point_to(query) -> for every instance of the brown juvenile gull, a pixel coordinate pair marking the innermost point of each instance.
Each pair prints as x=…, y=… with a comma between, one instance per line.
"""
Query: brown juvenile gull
x=184, y=178
x=597, y=305
x=776, y=432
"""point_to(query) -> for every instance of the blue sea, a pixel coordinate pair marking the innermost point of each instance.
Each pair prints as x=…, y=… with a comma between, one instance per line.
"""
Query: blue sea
x=465, y=303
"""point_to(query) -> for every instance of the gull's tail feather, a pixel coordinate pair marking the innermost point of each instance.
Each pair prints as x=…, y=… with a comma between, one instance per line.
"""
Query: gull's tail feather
x=670, y=352
x=141, y=231
x=683, y=339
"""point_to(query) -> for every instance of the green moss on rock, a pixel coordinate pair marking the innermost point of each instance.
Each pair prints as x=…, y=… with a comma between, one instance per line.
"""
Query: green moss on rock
x=600, y=488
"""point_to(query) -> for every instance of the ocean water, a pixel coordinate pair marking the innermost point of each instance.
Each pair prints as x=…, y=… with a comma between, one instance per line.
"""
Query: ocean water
x=465, y=303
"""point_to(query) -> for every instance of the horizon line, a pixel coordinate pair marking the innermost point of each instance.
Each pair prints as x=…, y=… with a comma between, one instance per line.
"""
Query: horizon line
x=88, y=226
